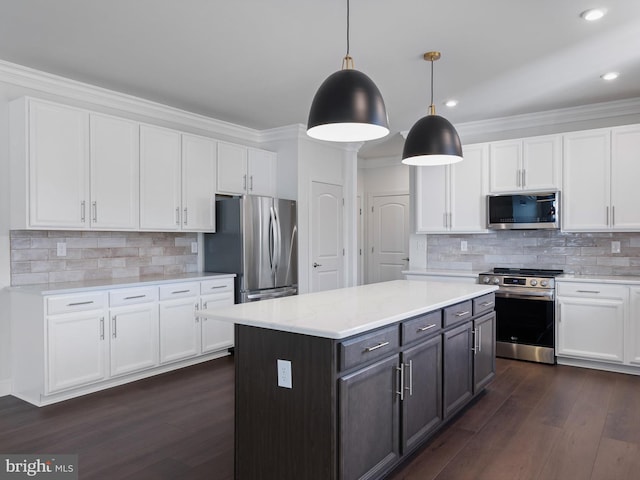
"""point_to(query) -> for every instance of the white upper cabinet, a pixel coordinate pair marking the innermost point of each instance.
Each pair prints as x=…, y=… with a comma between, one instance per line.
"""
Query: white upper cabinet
x=159, y=179
x=114, y=173
x=243, y=170
x=198, y=183
x=49, y=165
x=451, y=198
x=625, y=173
x=530, y=164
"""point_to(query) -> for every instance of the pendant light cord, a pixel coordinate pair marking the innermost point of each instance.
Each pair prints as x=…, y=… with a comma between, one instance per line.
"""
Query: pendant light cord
x=347, y=28
x=347, y=61
x=432, y=107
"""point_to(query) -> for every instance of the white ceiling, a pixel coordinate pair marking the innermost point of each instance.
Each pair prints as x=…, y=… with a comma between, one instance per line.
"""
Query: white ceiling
x=258, y=63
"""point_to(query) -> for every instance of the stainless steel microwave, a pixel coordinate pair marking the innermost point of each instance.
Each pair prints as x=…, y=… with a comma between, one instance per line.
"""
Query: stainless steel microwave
x=513, y=211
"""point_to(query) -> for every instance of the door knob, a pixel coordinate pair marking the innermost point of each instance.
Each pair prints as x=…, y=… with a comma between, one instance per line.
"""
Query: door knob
x=316, y=265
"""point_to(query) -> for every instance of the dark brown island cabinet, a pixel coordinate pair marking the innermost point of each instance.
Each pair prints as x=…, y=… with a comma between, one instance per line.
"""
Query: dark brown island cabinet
x=359, y=405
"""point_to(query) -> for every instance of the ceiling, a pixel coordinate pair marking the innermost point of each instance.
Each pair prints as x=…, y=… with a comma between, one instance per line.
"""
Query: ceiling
x=258, y=63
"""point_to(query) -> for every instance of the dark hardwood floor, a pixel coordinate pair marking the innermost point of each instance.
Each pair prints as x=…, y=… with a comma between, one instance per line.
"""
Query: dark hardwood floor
x=534, y=422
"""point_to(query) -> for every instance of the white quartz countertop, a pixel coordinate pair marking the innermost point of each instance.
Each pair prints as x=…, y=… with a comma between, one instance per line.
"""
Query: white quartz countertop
x=443, y=273
x=92, y=285
x=349, y=311
x=618, y=279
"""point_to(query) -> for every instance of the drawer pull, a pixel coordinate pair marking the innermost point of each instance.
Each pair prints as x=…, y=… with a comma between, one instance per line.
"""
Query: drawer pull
x=79, y=303
x=462, y=314
x=218, y=286
x=400, y=392
x=180, y=291
x=428, y=327
x=375, y=347
x=101, y=328
x=587, y=291
x=486, y=304
x=134, y=297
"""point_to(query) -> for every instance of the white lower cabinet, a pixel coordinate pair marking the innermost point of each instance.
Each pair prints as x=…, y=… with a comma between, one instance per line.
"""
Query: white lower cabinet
x=633, y=338
x=179, y=326
x=215, y=334
x=592, y=321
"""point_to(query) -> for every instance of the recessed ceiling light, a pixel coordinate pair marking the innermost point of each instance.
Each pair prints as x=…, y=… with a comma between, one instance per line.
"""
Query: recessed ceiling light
x=593, y=14
x=610, y=76
x=451, y=103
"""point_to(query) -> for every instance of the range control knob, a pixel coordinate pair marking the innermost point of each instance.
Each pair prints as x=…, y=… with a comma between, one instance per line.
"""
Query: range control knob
x=544, y=283
x=533, y=282
x=486, y=279
x=496, y=281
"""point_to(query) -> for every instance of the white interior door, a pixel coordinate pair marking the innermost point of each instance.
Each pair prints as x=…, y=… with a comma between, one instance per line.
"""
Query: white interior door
x=389, y=247
x=327, y=261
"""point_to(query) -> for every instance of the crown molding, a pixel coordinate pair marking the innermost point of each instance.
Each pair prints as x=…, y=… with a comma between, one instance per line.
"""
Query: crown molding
x=29, y=78
x=298, y=132
x=379, y=162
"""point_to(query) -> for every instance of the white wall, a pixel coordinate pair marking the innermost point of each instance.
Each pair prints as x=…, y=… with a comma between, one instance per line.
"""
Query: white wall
x=5, y=272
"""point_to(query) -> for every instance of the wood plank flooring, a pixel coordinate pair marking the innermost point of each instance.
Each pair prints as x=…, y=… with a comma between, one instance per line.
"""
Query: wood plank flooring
x=535, y=422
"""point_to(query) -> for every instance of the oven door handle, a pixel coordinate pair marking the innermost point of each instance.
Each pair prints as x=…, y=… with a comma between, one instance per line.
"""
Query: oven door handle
x=545, y=297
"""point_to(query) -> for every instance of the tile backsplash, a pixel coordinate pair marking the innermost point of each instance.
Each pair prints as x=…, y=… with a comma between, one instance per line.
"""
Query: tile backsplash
x=578, y=253
x=98, y=255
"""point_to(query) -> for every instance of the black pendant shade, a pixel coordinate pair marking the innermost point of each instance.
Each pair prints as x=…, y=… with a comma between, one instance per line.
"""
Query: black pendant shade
x=432, y=141
x=348, y=107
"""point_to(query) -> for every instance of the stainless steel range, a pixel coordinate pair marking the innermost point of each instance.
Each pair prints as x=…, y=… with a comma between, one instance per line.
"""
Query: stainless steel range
x=525, y=313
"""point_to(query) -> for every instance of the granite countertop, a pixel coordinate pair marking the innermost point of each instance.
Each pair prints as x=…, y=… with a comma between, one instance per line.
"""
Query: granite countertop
x=349, y=311
x=92, y=285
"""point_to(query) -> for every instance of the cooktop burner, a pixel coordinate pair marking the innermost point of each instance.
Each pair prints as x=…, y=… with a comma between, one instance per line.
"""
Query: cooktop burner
x=527, y=272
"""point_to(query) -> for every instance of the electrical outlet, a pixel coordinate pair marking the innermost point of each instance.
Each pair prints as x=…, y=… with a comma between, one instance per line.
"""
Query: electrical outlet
x=61, y=249
x=463, y=246
x=284, y=374
x=615, y=247
x=194, y=247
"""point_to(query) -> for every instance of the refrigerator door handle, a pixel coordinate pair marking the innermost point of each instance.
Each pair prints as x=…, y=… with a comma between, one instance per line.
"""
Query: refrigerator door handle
x=273, y=242
x=278, y=245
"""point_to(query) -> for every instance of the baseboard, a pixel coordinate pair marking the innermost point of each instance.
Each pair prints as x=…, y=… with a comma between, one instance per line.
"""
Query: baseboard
x=5, y=387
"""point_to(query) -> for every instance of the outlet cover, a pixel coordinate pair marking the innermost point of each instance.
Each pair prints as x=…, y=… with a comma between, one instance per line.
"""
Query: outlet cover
x=194, y=247
x=463, y=245
x=61, y=249
x=615, y=247
x=284, y=374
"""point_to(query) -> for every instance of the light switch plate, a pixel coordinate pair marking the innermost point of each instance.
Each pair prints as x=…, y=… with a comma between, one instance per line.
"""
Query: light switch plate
x=61, y=249
x=284, y=374
x=615, y=247
x=463, y=245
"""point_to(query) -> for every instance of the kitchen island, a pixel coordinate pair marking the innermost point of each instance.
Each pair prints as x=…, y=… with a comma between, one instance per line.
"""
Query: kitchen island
x=344, y=384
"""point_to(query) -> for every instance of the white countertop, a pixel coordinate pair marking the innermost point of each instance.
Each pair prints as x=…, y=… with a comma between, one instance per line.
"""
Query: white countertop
x=349, y=311
x=619, y=279
x=92, y=285
x=443, y=273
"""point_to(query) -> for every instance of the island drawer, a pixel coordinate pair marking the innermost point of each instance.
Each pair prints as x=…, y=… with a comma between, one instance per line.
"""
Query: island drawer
x=483, y=304
x=457, y=313
x=423, y=326
x=367, y=347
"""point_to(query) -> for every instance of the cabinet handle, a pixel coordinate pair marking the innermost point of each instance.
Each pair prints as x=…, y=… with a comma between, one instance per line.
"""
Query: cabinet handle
x=244, y=182
x=428, y=327
x=101, y=328
x=462, y=314
x=94, y=206
x=588, y=291
x=83, y=205
x=400, y=370
x=474, y=338
x=134, y=296
x=486, y=304
x=177, y=215
x=524, y=178
x=204, y=305
x=375, y=347
x=114, y=325
x=479, y=339
x=251, y=183
x=217, y=286
x=180, y=291
x=444, y=219
x=184, y=220
x=607, y=210
x=613, y=216
x=518, y=177
x=410, y=387
x=79, y=303
x=197, y=310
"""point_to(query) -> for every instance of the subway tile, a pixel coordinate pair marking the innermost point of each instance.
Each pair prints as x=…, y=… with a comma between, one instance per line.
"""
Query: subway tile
x=82, y=264
x=163, y=260
x=30, y=254
x=125, y=272
x=20, y=267
x=99, y=274
x=29, y=278
x=66, y=276
x=174, y=269
x=48, y=266
x=124, y=252
x=151, y=270
x=112, y=262
x=613, y=261
x=18, y=243
x=111, y=242
x=82, y=242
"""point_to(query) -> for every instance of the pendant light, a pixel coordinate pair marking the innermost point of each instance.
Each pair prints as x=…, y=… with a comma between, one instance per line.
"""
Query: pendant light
x=432, y=140
x=348, y=107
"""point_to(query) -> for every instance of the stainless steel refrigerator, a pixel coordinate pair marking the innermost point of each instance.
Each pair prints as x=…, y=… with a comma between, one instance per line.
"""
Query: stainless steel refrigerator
x=256, y=238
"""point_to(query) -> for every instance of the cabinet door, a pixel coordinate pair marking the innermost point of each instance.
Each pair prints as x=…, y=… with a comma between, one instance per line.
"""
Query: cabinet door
x=179, y=329
x=633, y=332
x=115, y=169
x=625, y=173
x=134, y=338
x=431, y=199
x=484, y=351
x=216, y=335
x=232, y=168
x=586, y=180
x=457, y=368
x=541, y=162
x=369, y=415
x=159, y=178
x=76, y=350
x=505, y=166
x=422, y=405
x=591, y=328
x=467, y=191
x=58, y=166
x=198, y=183
x=261, y=171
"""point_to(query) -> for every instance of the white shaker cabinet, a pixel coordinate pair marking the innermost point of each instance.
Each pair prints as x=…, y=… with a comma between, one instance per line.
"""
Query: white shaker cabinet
x=625, y=174
x=199, y=163
x=179, y=326
x=591, y=321
x=49, y=165
x=529, y=164
x=115, y=173
x=160, y=193
x=243, y=170
x=451, y=198
x=633, y=335
x=216, y=335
